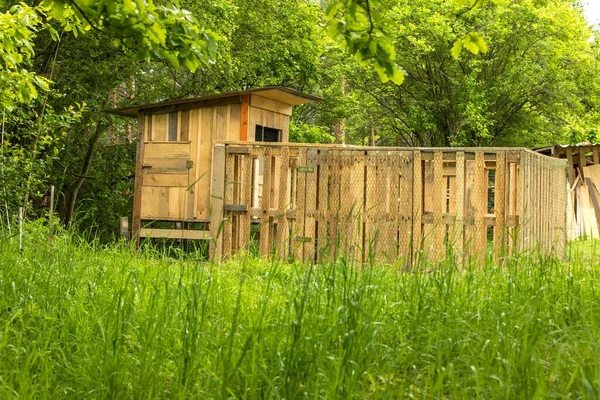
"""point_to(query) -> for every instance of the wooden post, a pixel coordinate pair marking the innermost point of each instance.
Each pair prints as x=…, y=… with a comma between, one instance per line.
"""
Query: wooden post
x=417, y=205
x=217, y=196
x=124, y=225
x=571, y=168
x=21, y=217
x=51, y=212
x=459, y=224
x=500, y=205
x=137, y=193
x=582, y=163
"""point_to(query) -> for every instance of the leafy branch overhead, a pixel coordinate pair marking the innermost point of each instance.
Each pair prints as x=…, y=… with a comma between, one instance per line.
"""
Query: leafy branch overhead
x=362, y=30
x=358, y=23
x=164, y=32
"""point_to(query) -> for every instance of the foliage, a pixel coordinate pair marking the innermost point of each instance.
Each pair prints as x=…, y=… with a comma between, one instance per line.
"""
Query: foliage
x=304, y=133
x=164, y=32
x=116, y=323
x=536, y=82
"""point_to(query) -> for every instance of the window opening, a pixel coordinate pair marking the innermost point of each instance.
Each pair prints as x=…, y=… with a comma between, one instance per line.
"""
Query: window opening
x=264, y=134
x=173, y=127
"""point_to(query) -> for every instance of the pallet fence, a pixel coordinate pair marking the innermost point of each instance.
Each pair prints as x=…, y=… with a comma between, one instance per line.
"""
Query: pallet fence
x=394, y=205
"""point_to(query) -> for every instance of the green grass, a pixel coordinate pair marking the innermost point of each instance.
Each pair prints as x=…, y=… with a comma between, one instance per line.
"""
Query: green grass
x=79, y=321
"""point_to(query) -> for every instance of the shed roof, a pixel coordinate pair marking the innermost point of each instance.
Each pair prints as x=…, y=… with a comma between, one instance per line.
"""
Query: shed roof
x=283, y=94
x=551, y=150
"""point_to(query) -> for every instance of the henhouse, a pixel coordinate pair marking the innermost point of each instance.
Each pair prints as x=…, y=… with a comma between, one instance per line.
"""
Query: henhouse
x=175, y=149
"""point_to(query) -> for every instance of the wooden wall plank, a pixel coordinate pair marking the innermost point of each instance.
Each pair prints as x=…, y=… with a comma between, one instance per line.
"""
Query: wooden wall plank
x=184, y=125
x=270, y=105
x=137, y=193
x=217, y=195
x=235, y=121
x=165, y=180
x=205, y=154
x=245, y=112
x=160, y=125
x=193, y=136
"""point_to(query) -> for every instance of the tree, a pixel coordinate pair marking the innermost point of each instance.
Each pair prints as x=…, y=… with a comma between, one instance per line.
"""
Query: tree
x=530, y=87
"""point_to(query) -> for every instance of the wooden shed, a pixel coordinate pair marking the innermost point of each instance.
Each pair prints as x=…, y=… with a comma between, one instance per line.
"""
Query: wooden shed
x=175, y=149
x=584, y=187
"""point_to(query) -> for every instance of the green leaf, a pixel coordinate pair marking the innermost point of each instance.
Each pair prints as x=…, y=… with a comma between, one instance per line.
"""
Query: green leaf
x=457, y=48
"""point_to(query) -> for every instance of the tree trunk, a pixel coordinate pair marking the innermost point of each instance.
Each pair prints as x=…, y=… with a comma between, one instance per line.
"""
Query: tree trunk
x=71, y=195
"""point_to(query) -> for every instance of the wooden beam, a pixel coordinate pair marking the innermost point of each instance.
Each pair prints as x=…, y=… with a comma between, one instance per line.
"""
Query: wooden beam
x=582, y=162
x=137, y=191
x=571, y=166
x=187, y=234
x=596, y=155
x=244, y=118
x=190, y=105
x=217, y=197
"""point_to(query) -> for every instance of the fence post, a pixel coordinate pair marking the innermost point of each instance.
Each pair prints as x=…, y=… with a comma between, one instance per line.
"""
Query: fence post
x=124, y=224
x=217, y=197
x=51, y=213
x=21, y=216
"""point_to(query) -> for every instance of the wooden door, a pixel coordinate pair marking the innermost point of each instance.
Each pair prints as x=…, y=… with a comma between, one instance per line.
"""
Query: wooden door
x=165, y=181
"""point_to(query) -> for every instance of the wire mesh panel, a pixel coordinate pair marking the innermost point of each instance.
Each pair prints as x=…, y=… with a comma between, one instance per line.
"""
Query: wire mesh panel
x=391, y=205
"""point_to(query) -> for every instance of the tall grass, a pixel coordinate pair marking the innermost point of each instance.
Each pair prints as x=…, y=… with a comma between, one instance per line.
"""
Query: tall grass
x=80, y=321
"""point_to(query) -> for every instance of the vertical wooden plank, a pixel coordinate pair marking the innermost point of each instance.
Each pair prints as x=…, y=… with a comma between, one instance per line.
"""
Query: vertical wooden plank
x=595, y=154
x=394, y=211
x=137, y=192
x=301, y=207
x=244, y=118
x=217, y=194
x=439, y=193
x=334, y=202
x=322, y=204
x=500, y=205
x=372, y=206
x=185, y=126
x=265, y=240
x=189, y=132
x=480, y=208
x=149, y=118
x=160, y=127
x=458, y=238
x=405, y=194
x=387, y=231
x=205, y=154
x=283, y=191
x=244, y=221
x=571, y=168
x=417, y=206
x=227, y=230
x=311, y=205
x=582, y=163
